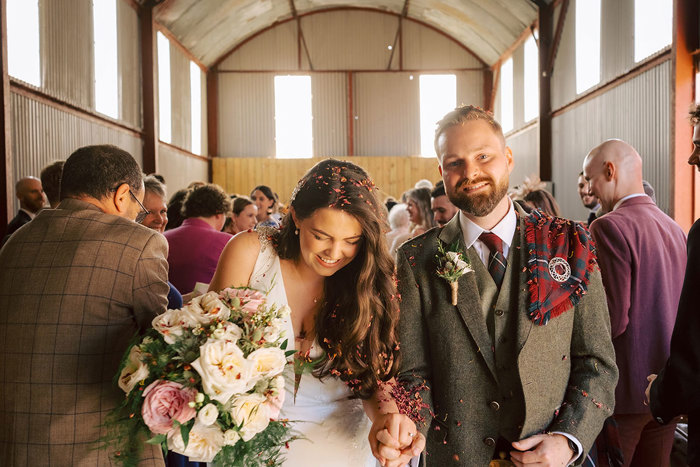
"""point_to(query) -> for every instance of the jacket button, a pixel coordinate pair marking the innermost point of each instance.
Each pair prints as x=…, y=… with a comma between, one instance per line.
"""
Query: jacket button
x=494, y=405
x=660, y=420
x=499, y=312
x=489, y=441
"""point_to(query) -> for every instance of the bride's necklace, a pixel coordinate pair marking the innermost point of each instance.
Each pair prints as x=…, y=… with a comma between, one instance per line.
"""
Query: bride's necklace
x=305, y=334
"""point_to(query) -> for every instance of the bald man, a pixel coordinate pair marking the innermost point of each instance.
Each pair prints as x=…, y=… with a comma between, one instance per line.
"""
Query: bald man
x=641, y=252
x=31, y=200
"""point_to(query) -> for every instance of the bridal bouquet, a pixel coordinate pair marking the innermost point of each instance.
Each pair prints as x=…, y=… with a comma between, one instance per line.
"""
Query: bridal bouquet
x=206, y=382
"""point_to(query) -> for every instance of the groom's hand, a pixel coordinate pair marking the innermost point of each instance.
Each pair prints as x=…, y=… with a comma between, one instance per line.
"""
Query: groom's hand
x=394, y=439
x=546, y=450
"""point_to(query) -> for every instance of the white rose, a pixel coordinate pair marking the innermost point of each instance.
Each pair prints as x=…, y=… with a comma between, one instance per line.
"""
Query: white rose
x=452, y=256
x=228, y=332
x=206, y=308
x=172, y=323
x=277, y=383
x=285, y=311
x=231, y=437
x=208, y=415
x=223, y=368
x=460, y=265
x=204, y=444
x=267, y=362
x=250, y=413
x=134, y=370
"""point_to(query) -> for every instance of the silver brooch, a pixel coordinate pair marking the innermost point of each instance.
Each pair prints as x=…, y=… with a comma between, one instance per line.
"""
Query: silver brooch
x=559, y=269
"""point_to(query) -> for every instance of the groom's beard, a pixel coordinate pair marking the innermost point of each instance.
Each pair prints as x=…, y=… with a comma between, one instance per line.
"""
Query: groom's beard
x=482, y=203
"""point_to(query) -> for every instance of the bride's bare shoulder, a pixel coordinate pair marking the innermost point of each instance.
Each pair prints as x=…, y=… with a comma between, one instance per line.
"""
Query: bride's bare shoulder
x=237, y=261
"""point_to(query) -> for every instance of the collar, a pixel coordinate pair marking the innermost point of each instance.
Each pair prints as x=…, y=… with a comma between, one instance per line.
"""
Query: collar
x=196, y=222
x=29, y=213
x=505, y=229
x=595, y=208
x=633, y=195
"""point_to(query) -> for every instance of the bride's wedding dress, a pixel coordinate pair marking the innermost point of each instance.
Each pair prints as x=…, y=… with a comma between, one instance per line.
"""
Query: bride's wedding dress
x=325, y=413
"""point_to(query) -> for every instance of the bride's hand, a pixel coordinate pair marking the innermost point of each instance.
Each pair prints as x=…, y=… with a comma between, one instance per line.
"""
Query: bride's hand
x=394, y=439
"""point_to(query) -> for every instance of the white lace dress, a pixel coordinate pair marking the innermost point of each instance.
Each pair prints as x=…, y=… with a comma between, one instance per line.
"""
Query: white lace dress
x=325, y=413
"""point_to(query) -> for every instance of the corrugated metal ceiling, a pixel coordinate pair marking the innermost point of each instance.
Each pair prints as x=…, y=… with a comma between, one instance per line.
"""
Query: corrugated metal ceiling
x=212, y=28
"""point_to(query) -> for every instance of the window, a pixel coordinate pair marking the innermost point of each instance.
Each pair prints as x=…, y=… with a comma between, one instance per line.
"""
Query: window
x=438, y=95
x=507, y=95
x=104, y=22
x=293, y=120
x=164, y=104
x=23, y=40
x=531, y=80
x=196, y=107
x=653, y=27
x=587, y=44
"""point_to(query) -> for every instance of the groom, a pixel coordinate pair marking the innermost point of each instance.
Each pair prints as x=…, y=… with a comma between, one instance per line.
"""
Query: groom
x=521, y=367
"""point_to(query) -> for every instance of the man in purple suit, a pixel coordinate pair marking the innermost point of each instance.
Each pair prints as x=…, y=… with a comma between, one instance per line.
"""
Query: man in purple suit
x=641, y=252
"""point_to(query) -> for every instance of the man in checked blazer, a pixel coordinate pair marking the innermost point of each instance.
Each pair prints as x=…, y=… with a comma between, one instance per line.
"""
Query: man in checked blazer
x=76, y=284
x=522, y=371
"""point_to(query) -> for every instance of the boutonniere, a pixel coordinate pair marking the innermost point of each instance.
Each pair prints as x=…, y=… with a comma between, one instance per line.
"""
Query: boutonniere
x=452, y=264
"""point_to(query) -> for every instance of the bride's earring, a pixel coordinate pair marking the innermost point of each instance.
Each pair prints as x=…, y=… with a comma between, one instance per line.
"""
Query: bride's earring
x=296, y=232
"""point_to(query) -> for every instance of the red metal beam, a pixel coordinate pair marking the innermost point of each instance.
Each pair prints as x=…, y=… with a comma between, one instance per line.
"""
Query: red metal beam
x=341, y=70
x=546, y=19
x=489, y=89
x=148, y=89
x=685, y=42
x=7, y=194
x=213, y=113
x=186, y=52
x=344, y=8
x=557, y=35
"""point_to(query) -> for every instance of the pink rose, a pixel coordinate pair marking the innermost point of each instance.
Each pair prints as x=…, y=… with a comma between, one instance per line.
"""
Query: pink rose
x=164, y=402
x=250, y=299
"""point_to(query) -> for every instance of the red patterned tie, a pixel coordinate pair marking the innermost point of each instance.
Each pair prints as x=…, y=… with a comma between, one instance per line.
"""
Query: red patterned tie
x=497, y=262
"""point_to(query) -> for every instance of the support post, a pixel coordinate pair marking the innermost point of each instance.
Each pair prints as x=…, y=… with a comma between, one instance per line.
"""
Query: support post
x=7, y=195
x=149, y=97
x=546, y=13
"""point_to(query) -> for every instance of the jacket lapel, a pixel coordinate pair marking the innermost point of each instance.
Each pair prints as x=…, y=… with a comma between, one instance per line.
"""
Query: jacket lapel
x=524, y=323
x=468, y=297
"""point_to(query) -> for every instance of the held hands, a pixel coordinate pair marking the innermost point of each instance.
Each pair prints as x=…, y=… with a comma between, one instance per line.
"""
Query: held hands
x=651, y=379
x=545, y=450
x=395, y=440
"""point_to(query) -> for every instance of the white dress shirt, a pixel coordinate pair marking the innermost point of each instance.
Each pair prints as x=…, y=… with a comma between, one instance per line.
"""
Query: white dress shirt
x=505, y=230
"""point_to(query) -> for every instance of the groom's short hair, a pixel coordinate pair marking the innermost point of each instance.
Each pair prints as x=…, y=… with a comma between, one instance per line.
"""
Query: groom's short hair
x=464, y=114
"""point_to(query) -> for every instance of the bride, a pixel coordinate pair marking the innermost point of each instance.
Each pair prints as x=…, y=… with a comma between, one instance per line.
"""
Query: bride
x=330, y=264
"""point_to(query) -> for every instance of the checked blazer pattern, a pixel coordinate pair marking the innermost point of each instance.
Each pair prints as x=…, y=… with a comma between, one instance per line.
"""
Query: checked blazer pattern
x=76, y=284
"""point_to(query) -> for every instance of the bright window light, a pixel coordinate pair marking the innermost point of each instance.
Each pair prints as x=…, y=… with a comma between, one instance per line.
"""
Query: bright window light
x=293, y=119
x=587, y=44
x=531, y=79
x=507, y=95
x=196, y=106
x=23, y=40
x=697, y=87
x=104, y=22
x=164, y=104
x=653, y=27
x=438, y=95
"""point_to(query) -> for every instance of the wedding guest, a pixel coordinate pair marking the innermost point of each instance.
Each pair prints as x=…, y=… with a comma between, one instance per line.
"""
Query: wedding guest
x=544, y=201
x=175, y=216
x=443, y=209
x=266, y=201
x=675, y=391
x=76, y=284
x=642, y=258
x=31, y=199
x=649, y=190
x=195, y=246
x=243, y=216
x=504, y=371
x=51, y=182
x=424, y=183
x=589, y=200
x=399, y=221
x=329, y=263
x=418, y=206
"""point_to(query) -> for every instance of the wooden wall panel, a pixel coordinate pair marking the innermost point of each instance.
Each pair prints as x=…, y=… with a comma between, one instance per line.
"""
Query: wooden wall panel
x=392, y=174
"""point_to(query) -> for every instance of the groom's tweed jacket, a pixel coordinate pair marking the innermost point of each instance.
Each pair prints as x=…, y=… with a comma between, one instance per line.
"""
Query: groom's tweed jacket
x=76, y=284
x=529, y=379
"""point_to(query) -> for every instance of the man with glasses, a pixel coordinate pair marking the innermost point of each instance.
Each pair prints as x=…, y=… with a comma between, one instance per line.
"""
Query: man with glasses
x=76, y=284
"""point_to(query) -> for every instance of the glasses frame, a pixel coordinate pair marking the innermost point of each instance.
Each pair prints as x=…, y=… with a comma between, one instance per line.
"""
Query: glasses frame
x=143, y=213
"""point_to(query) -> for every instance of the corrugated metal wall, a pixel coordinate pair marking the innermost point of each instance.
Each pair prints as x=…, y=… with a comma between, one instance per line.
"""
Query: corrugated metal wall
x=385, y=104
x=180, y=169
x=129, y=36
x=180, y=98
x=638, y=112
x=525, y=147
x=42, y=134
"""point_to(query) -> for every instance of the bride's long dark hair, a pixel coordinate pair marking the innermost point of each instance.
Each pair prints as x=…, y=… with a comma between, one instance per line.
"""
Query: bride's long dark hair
x=356, y=325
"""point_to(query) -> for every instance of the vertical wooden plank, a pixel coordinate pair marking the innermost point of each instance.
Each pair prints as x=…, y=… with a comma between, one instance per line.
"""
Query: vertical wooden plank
x=148, y=80
x=5, y=119
x=685, y=42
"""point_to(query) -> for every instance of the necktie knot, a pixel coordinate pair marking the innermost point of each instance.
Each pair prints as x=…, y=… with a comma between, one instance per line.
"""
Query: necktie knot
x=492, y=241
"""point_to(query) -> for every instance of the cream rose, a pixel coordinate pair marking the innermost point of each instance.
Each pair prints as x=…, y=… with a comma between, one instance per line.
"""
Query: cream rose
x=252, y=412
x=204, y=444
x=207, y=308
x=172, y=324
x=134, y=370
x=207, y=415
x=267, y=362
x=231, y=437
x=223, y=368
x=228, y=332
